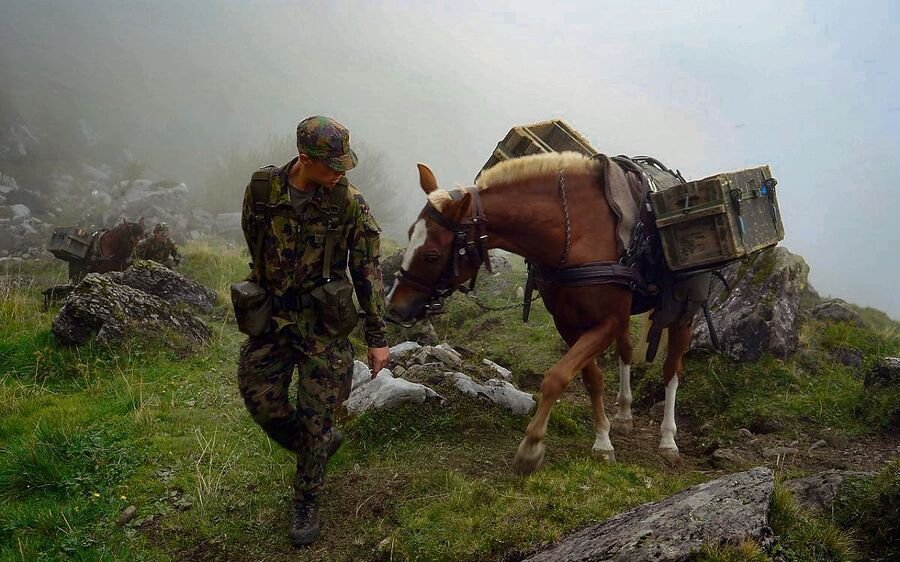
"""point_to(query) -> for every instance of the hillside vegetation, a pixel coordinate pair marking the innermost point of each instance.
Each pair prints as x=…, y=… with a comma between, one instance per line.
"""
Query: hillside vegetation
x=157, y=424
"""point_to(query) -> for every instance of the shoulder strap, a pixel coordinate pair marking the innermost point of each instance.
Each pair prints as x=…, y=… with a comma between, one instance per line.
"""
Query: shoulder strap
x=260, y=193
x=261, y=184
x=337, y=202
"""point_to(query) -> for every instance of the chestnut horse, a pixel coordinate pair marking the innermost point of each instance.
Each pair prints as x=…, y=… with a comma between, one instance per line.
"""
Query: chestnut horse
x=552, y=210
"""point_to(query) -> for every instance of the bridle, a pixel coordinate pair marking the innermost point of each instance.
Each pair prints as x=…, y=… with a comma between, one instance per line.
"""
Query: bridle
x=469, y=244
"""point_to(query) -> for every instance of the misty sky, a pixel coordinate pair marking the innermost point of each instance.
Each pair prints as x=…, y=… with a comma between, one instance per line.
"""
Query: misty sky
x=809, y=88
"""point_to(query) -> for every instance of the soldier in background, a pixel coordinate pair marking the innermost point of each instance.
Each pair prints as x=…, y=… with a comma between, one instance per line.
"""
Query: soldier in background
x=159, y=248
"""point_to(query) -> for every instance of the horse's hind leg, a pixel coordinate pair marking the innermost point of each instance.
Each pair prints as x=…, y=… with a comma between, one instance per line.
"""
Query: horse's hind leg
x=592, y=376
x=679, y=340
x=531, y=450
x=622, y=422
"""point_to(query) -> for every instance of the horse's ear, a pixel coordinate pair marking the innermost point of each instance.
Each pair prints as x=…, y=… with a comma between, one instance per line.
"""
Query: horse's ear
x=461, y=207
x=427, y=179
x=141, y=222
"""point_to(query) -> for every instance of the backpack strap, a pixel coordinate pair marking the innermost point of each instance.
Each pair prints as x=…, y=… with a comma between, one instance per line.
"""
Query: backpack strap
x=337, y=203
x=260, y=194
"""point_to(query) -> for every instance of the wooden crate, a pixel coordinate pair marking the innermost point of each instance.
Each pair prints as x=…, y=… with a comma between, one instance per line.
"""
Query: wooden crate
x=537, y=138
x=70, y=243
x=718, y=219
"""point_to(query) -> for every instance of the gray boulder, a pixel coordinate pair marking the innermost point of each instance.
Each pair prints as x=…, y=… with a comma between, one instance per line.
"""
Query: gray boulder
x=503, y=372
x=441, y=354
x=885, y=374
x=818, y=491
x=499, y=392
x=837, y=310
x=100, y=307
x=402, y=350
x=731, y=509
x=390, y=265
x=761, y=312
x=499, y=263
x=385, y=391
x=361, y=375
x=170, y=286
x=20, y=211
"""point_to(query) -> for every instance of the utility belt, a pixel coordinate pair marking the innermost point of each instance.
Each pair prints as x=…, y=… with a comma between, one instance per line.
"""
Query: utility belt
x=292, y=301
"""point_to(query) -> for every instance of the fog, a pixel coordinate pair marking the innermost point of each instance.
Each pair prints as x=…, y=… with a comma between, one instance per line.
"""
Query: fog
x=809, y=88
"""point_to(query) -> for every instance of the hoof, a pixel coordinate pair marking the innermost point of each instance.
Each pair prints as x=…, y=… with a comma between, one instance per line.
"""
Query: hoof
x=529, y=457
x=671, y=456
x=622, y=427
x=608, y=456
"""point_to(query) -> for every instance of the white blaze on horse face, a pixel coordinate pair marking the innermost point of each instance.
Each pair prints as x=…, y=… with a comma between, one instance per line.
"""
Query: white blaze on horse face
x=623, y=400
x=419, y=235
x=667, y=427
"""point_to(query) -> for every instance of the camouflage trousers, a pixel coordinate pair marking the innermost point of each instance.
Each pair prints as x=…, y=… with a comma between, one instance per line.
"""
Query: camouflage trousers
x=265, y=370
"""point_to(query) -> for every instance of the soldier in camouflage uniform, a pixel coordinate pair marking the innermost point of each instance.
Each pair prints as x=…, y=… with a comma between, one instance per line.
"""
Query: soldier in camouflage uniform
x=159, y=247
x=310, y=201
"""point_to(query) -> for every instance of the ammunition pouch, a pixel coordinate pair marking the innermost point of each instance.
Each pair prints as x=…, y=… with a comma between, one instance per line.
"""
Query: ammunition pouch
x=252, y=308
x=333, y=306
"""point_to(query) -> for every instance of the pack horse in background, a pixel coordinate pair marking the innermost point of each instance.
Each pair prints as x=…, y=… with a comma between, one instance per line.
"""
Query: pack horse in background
x=92, y=252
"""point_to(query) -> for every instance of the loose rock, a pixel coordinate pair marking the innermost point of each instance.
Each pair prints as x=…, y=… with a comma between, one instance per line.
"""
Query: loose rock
x=733, y=508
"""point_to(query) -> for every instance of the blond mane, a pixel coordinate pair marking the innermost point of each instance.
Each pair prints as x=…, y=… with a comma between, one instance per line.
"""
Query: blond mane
x=517, y=169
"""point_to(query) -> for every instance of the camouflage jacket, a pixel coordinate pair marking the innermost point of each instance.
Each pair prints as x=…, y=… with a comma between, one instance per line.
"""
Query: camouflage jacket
x=294, y=250
x=156, y=250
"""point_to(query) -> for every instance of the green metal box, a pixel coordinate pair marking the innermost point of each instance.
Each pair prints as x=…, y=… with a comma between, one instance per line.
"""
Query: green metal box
x=718, y=219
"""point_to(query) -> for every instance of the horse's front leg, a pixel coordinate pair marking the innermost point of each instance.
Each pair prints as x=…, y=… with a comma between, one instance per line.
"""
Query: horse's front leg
x=679, y=340
x=593, y=382
x=531, y=450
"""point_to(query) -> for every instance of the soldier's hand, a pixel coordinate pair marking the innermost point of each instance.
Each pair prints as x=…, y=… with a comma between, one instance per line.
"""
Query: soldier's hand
x=378, y=359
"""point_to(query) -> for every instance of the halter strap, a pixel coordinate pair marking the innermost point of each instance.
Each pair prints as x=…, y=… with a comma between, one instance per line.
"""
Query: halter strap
x=469, y=241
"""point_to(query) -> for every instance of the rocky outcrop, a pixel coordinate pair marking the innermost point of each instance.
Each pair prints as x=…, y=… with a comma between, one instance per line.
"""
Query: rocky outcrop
x=417, y=373
x=109, y=312
x=168, y=285
x=731, y=509
x=761, y=311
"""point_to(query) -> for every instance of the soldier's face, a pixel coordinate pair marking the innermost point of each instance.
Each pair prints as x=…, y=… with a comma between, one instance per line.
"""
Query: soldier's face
x=319, y=172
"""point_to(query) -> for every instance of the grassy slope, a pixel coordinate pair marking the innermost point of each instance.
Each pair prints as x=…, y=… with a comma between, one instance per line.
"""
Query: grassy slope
x=86, y=432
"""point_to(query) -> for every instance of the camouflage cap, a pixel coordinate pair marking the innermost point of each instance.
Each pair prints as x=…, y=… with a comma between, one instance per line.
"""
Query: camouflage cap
x=325, y=139
x=161, y=228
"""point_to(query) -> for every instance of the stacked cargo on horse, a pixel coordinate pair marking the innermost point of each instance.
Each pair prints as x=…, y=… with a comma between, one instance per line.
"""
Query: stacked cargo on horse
x=96, y=252
x=703, y=224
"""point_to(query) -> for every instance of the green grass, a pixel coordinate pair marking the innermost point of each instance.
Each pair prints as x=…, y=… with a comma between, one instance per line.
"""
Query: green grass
x=871, y=506
x=86, y=432
x=804, y=536
x=800, y=536
x=808, y=389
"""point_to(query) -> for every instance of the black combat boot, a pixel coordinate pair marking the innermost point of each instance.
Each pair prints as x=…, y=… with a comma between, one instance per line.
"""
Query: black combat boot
x=335, y=440
x=305, y=523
